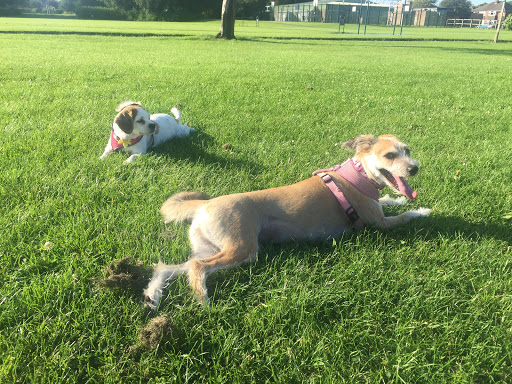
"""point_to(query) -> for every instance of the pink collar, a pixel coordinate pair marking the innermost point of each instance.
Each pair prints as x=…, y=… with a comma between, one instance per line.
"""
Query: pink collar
x=351, y=170
x=119, y=144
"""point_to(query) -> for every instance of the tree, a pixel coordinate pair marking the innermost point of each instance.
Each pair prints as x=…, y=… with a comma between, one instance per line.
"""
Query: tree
x=462, y=7
x=250, y=8
x=120, y=4
x=13, y=3
x=68, y=5
x=507, y=24
x=149, y=5
x=423, y=4
x=227, y=22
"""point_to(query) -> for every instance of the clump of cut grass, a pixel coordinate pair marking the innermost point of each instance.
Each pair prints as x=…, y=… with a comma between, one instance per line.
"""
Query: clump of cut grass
x=158, y=330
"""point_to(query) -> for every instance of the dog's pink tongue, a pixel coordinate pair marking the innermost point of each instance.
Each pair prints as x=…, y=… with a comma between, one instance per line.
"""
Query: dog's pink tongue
x=404, y=188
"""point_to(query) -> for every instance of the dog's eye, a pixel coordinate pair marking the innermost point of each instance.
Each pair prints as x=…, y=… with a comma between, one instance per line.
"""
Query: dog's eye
x=390, y=155
x=141, y=121
x=407, y=152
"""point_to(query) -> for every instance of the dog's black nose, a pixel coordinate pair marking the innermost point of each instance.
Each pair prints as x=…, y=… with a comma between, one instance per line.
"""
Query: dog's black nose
x=413, y=170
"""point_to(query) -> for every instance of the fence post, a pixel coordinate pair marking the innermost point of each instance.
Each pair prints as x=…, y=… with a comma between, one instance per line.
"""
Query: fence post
x=359, y=17
x=402, y=17
x=499, y=22
x=394, y=20
x=366, y=17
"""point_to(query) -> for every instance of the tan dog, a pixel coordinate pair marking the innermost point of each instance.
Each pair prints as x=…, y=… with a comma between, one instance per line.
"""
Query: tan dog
x=225, y=231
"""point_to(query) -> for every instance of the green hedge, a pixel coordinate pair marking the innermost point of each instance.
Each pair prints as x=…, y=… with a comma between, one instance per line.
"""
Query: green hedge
x=10, y=12
x=99, y=13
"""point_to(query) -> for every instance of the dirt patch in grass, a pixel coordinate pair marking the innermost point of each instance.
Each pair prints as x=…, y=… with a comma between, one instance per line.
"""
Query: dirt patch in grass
x=126, y=274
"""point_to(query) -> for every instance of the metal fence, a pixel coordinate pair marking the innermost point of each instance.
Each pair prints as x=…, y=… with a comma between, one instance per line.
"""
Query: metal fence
x=330, y=13
x=356, y=13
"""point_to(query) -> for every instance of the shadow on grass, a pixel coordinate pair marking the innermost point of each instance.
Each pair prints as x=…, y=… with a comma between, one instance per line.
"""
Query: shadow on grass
x=198, y=149
x=429, y=229
x=454, y=49
x=128, y=274
x=453, y=227
x=168, y=329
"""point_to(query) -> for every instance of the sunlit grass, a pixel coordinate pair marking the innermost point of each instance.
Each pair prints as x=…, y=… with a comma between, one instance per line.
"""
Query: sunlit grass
x=428, y=302
x=245, y=29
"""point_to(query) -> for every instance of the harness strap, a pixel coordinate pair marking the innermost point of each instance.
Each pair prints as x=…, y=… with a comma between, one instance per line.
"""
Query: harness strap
x=351, y=170
x=349, y=210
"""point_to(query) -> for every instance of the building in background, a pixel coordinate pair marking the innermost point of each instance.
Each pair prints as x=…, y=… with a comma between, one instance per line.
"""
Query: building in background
x=489, y=13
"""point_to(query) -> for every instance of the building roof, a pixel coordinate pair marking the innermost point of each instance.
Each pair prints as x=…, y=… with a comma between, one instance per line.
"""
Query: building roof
x=494, y=6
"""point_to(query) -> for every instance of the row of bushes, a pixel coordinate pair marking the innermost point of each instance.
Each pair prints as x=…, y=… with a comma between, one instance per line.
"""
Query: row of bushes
x=103, y=13
x=100, y=13
x=10, y=12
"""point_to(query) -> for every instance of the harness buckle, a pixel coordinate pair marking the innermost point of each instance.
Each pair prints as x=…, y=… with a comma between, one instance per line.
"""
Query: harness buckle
x=357, y=165
x=325, y=177
x=352, y=214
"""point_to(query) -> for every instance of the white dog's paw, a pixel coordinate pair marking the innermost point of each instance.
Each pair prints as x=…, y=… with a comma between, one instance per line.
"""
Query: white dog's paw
x=151, y=299
x=131, y=159
x=421, y=212
x=387, y=201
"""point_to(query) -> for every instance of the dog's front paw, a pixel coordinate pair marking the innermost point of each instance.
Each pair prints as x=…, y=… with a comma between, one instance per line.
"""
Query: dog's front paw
x=421, y=212
x=131, y=159
x=151, y=299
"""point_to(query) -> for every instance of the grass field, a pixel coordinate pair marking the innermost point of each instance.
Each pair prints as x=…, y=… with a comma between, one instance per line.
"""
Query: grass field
x=247, y=29
x=427, y=302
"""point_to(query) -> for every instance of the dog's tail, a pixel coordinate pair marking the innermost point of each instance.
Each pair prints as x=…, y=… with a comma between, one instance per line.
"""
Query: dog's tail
x=182, y=206
x=176, y=112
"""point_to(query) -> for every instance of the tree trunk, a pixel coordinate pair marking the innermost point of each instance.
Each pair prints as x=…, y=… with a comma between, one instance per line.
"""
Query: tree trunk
x=227, y=23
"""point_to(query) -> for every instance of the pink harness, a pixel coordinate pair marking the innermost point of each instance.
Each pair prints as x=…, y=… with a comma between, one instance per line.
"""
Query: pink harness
x=351, y=170
x=117, y=145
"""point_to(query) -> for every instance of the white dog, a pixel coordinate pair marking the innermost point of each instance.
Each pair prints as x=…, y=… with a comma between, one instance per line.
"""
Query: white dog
x=134, y=130
x=226, y=230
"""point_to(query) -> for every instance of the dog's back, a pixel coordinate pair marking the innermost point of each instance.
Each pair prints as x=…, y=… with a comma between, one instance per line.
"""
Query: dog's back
x=182, y=206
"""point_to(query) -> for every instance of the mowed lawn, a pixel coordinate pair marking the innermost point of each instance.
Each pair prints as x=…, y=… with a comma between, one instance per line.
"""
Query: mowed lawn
x=427, y=302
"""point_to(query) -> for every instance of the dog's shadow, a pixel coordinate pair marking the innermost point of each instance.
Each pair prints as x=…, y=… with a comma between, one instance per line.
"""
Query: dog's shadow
x=200, y=147
x=428, y=229
x=132, y=276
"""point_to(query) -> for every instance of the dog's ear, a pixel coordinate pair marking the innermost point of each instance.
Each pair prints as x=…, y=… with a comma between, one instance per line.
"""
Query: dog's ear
x=124, y=120
x=361, y=143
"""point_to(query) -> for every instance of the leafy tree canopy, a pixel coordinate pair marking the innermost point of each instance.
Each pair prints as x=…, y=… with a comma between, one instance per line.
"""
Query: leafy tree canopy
x=13, y=3
x=462, y=7
x=423, y=3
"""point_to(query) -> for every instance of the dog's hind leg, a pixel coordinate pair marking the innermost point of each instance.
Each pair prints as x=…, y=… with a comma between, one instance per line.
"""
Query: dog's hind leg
x=230, y=257
x=162, y=274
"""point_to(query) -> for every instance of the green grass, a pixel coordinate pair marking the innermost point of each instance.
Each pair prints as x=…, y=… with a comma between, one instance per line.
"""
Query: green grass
x=246, y=29
x=428, y=302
